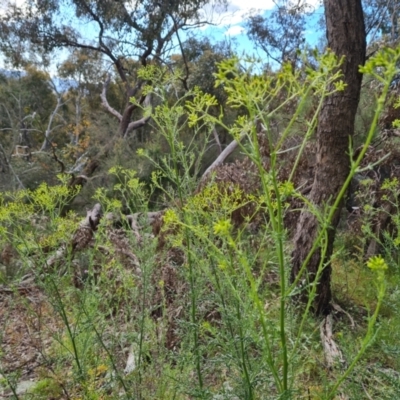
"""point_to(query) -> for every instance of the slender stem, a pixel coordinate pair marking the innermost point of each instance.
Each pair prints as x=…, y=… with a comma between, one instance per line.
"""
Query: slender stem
x=71, y=335
x=193, y=301
x=241, y=337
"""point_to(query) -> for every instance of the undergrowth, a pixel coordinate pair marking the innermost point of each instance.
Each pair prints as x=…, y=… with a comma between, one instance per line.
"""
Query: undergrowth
x=203, y=310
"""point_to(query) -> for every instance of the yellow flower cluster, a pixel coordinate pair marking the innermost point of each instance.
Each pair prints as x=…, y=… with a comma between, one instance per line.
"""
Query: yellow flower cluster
x=223, y=227
x=377, y=263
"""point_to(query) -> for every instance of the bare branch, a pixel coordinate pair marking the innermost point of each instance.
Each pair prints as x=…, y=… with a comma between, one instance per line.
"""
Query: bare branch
x=104, y=101
x=47, y=143
x=377, y=22
x=137, y=124
x=62, y=166
x=216, y=137
x=80, y=164
x=219, y=160
x=185, y=79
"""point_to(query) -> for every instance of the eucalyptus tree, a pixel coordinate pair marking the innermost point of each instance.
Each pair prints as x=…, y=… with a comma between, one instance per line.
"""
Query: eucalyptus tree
x=145, y=30
x=381, y=19
x=346, y=37
x=280, y=34
x=23, y=119
x=27, y=125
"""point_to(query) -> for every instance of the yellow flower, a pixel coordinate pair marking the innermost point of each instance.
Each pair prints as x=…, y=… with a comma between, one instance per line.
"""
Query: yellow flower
x=222, y=227
x=223, y=265
x=170, y=217
x=377, y=263
x=390, y=184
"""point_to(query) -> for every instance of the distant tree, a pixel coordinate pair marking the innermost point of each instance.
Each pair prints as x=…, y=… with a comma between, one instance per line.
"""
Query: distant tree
x=23, y=119
x=381, y=19
x=203, y=57
x=280, y=34
x=31, y=118
x=85, y=70
x=118, y=30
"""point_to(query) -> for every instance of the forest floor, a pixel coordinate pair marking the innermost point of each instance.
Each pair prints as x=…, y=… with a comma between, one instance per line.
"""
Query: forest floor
x=27, y=321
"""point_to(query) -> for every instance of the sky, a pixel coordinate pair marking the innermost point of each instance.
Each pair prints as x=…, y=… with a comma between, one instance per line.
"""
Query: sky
x=229, y=24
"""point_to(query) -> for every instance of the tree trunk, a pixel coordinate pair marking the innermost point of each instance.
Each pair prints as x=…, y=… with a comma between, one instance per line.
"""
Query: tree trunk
x=346, y=37
x=126, y=119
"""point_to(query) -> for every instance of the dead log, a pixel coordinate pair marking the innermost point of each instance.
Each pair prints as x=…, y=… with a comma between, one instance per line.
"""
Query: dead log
x=149, y=218
x=333, y=355
x=81, y=238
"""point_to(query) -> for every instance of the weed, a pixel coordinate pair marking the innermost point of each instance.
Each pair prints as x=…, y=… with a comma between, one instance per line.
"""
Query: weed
x=207, y=313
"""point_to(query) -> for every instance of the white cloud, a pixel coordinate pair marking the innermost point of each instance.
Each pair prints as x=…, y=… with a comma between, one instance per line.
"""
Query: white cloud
x=234, y=30
x=268, y=4
x=5, y=4
x=238, y=10
x=253, y=4
x=231, y=17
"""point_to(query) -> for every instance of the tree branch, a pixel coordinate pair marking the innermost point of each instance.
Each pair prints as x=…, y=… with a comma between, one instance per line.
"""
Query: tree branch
x=142, y=121
x=219, y=160
x=46, y=143
x=103, y=47
x=104, y=101
x=216, y=137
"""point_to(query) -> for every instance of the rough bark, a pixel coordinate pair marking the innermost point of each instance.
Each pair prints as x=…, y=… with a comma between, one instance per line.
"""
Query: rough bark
x=346, y=37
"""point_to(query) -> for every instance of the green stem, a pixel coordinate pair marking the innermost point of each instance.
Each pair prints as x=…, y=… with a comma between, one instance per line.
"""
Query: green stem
x=193, y=301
